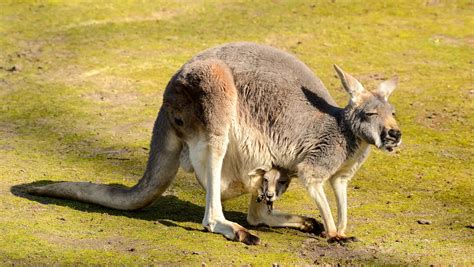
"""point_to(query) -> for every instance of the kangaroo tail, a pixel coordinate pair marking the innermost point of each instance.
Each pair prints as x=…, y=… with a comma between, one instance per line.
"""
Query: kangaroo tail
x=163, y=163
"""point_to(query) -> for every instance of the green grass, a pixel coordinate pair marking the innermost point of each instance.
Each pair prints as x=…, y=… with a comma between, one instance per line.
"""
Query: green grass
x=90, y=84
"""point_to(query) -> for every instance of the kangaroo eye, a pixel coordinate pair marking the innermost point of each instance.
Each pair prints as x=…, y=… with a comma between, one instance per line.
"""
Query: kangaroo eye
x=370, y=114
x=393, y=114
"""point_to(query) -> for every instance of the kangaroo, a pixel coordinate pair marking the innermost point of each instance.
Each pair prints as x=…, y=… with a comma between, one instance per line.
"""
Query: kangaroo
x=238, y=106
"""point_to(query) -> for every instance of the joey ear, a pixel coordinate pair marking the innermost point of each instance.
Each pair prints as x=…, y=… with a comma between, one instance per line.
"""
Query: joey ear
x=350, y=84
x=386, y=87
x=256, y=172
x=260, y=171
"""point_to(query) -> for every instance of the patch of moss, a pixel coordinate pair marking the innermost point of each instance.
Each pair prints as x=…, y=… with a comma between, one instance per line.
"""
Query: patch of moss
x=88, y=83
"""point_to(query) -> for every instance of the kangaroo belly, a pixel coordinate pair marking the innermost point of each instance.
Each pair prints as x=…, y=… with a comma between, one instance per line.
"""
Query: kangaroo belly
x=245, y=152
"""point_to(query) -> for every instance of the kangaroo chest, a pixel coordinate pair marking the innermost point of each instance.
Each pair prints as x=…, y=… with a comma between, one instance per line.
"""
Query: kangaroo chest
x=353, y=163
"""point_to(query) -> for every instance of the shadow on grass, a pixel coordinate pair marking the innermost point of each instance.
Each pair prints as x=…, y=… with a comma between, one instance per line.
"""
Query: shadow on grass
x=170, y=211
x=165, y=210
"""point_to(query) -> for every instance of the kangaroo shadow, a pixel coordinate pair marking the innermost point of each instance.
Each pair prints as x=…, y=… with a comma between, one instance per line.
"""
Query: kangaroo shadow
x=166, y=209
x=320, y=103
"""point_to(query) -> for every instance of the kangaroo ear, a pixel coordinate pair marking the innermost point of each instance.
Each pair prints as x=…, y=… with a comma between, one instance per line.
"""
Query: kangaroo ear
x=350, y=84
x=386, y=88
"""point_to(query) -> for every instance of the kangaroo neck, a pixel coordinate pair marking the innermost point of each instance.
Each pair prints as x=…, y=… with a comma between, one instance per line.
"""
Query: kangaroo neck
x=352, y=141
x=338, y=126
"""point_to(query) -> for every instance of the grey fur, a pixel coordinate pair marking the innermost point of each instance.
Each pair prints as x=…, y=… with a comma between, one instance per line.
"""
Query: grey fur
x=253, y=106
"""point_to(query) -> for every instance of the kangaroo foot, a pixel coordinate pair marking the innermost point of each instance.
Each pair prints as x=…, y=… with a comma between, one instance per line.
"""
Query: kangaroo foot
x=343, y=239
x=246, y=237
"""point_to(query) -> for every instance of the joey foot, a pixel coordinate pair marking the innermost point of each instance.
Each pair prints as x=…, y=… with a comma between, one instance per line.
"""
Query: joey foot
x=246, y=237
x=343, y=239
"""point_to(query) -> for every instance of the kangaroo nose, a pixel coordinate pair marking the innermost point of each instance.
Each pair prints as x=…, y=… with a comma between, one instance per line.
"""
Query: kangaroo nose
x=395, y=134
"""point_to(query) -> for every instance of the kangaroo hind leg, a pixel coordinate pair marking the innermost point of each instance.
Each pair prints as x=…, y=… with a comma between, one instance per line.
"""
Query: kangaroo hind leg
x=208, y=90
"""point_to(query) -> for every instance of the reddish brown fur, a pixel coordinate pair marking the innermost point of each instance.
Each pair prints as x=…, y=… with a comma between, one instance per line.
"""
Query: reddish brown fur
x=390, y=123
x=206, y=98
x=208, y=88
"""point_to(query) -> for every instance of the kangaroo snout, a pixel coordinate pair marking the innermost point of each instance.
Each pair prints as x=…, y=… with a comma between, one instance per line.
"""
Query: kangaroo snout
x=391, y=138
x=395, y=134
x=391, y=135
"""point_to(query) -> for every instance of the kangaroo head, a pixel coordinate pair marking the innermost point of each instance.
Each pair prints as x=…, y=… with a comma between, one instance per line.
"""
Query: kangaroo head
x=369, y=115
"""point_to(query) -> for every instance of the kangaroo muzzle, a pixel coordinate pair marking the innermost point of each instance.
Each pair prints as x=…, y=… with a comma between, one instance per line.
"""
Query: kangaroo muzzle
x=391, y=138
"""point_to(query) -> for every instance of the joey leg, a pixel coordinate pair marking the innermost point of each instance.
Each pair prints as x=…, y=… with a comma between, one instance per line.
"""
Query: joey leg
x=258, y=215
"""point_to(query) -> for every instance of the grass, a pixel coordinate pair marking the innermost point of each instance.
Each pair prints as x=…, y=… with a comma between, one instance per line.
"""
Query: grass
x=88, y=83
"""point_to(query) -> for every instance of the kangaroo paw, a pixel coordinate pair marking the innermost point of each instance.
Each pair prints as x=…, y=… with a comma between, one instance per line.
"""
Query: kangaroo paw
x=310, y=225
